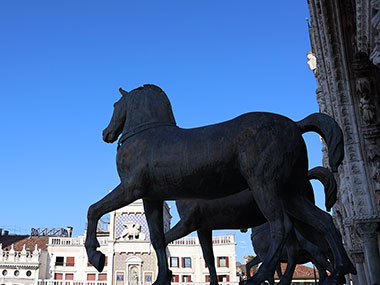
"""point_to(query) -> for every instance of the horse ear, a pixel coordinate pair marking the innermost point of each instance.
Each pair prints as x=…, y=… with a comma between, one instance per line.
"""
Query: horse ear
x=123, y=92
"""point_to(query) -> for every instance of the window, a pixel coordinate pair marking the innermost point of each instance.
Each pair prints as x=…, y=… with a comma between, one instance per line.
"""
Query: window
x=207, y=278
x=186, y=278
x=70, y=261
x=174, y=262
x=91, y=277
x=5, y=272
x=102, y=276
x=148, y=277
x=58, y=276
x=223, y=278
x=17, y=273
x=28, y=273
x=69, y=276
x=175, y=278
x=223, y=261
x=120, y=276
x=106, y=261
x=186, y=262
x=59, y=261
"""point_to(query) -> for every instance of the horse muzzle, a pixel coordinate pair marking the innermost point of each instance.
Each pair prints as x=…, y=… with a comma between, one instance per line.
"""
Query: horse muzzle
x=109, y=137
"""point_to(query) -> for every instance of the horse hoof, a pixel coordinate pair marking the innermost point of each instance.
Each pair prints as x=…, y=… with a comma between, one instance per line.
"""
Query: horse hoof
x=258, y=278
x=334, y=281
x=97, y=259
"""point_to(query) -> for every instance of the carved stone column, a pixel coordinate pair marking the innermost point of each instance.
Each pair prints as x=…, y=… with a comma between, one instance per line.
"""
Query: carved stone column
x=358, y=258
x=368, y=231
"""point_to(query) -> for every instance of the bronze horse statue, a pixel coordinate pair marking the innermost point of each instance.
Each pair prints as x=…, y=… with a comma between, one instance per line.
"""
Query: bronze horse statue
x=241, y=211
x=157, y=161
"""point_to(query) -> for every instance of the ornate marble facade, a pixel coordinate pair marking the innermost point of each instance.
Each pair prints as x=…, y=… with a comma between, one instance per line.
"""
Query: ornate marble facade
x=345, y=38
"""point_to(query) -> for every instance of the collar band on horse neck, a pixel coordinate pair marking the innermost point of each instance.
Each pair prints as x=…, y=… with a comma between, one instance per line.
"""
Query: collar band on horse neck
x=141, y=128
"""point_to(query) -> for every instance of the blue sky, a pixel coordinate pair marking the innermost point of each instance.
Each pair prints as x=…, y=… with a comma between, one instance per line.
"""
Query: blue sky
x=62, y=63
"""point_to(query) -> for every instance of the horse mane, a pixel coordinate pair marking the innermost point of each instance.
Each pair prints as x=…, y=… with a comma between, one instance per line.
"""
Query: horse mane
x=150, y=86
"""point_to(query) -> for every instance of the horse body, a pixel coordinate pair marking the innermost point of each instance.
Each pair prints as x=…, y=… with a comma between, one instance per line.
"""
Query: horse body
x=208, y=162
x=157, y=161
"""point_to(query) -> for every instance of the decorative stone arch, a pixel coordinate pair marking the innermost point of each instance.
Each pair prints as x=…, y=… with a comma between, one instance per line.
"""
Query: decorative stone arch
x=134, y=270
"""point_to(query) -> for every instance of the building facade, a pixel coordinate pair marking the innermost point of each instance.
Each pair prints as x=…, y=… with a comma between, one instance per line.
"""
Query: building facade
x=23, y=259
x=345, y=38
x=130, y=257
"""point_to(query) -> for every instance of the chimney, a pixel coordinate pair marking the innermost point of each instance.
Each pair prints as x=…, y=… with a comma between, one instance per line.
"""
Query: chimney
x=6, y=233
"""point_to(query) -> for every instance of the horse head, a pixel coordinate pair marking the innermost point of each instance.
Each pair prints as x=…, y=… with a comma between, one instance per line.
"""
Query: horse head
x=116, y=125
x=144, y=106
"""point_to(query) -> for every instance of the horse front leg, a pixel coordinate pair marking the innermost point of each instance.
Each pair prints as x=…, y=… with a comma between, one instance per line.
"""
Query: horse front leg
x=119, y=197
x=154, y=216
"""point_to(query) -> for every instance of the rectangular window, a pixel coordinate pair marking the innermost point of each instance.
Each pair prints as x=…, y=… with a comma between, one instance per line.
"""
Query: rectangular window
x=102, y=276
x=223, y=278
x=186, y=262
x=59, y=261
x=207, y=278
x=91, y=277
x=70, y=261
x=175, y=278
x=120, y=277
x=106, y=261
x=186, y=278
x=69, y=276
x=58, y=276
x=223, y=261
x=174, y=262
x=148, y=277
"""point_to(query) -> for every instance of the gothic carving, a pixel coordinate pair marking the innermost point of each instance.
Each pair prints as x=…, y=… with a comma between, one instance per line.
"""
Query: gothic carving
x=357, y=257
x=375, y=24
x=343, y=35
x=367, y=110
x=376, y=173
x=363, y=27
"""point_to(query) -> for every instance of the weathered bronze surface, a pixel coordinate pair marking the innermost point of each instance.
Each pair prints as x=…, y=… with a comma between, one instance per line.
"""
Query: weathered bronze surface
x=241, y=211
x=157, y=161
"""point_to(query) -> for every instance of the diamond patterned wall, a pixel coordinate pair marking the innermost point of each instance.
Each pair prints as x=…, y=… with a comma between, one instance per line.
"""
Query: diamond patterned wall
x=131, y=218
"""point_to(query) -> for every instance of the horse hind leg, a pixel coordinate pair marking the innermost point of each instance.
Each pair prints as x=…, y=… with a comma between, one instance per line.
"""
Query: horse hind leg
x=205, y=239
x=302, y=209
x=267, y=199
x=119, y=197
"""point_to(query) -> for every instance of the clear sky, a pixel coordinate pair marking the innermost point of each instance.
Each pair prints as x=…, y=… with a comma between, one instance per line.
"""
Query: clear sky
x=62, y=63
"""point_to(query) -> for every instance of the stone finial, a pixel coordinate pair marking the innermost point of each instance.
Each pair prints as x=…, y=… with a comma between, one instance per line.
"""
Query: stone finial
x=23, y=251
x=35, y=249
x=12, y=250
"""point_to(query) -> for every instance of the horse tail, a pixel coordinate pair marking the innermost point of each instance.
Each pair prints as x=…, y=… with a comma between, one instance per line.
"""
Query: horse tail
x=330, y=131
x=327, y=179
